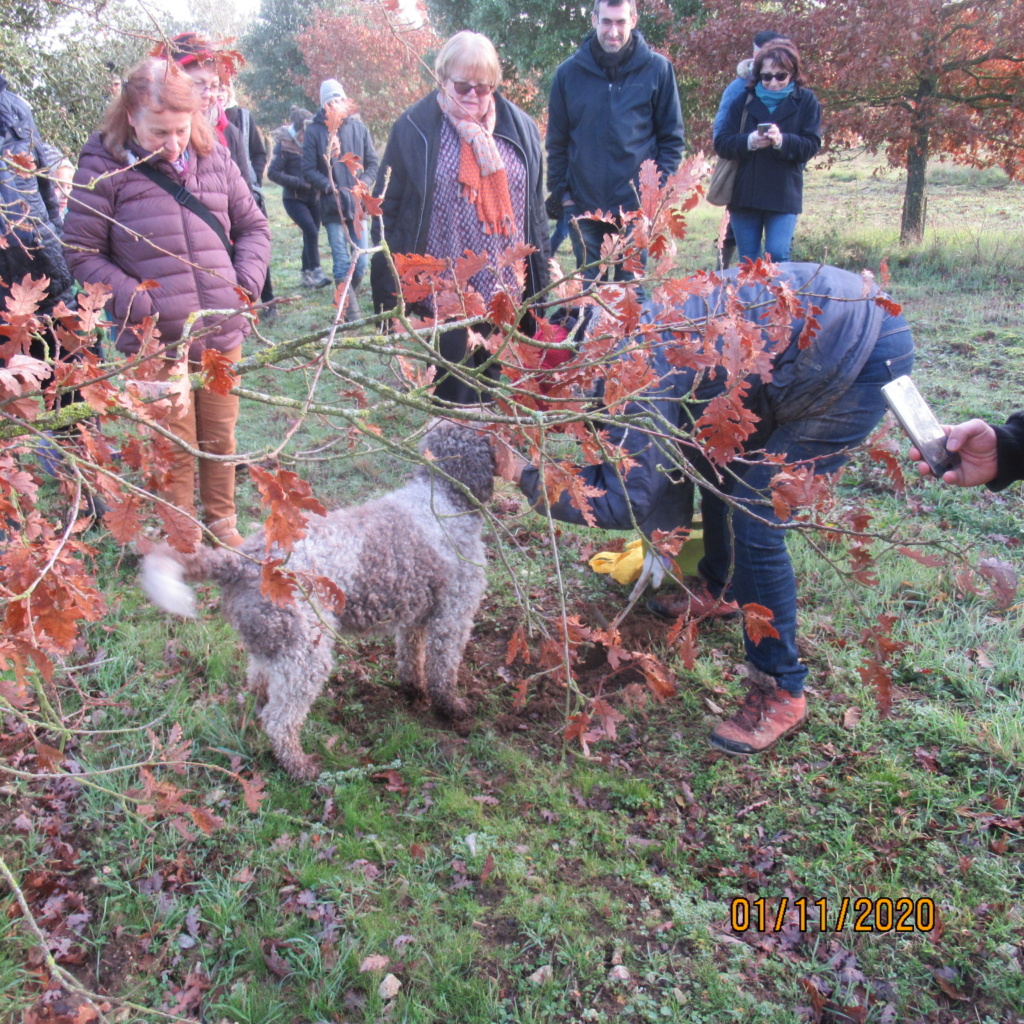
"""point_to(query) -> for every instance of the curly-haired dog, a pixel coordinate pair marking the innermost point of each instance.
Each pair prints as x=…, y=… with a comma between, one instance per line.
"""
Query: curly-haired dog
x=410, y=562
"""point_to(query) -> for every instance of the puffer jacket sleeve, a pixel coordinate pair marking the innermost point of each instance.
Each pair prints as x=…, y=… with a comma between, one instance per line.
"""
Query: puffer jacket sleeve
x=250, y=232
x=87, y=238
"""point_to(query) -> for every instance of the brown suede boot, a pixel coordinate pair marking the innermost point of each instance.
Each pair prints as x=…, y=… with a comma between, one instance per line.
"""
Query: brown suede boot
x=225, y=530
x=768, y=713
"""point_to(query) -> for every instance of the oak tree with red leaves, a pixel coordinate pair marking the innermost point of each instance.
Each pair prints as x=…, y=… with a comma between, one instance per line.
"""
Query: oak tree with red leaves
x=914, y=79
x=381, y=56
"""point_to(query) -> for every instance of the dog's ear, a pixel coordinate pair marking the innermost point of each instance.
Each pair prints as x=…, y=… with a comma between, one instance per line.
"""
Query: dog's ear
x=480, y=468
x=463, y=454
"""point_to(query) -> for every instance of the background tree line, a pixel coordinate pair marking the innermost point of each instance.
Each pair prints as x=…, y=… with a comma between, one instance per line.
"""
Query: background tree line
x=913, y=80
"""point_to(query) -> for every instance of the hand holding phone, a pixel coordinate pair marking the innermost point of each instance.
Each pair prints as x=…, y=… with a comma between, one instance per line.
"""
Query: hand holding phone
x=762, y=129
x=920, y=425
x=977, y=444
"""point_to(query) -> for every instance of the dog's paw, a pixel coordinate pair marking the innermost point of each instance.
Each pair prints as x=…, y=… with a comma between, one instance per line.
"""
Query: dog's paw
x=412, y=691
x=451, y=707
x=304, y=768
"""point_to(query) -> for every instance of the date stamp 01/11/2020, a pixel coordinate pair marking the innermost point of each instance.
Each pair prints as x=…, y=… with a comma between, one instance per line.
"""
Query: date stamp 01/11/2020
x=860, y=915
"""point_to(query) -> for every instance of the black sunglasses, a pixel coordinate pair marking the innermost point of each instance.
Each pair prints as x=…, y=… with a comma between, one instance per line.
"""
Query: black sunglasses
x=464, y=88
x=779, y=76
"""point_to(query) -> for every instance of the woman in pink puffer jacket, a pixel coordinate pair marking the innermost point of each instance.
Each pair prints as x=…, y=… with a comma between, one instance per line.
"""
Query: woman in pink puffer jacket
x=123, y=229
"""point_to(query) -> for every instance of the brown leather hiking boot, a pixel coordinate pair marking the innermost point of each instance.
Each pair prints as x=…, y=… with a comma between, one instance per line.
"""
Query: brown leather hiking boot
x=768, y=713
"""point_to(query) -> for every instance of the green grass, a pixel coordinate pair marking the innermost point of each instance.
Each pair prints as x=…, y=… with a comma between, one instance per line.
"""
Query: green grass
x=634, y=854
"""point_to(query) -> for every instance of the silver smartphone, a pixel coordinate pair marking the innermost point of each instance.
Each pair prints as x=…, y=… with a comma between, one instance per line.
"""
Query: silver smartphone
x=919, y=424
x=762, y=129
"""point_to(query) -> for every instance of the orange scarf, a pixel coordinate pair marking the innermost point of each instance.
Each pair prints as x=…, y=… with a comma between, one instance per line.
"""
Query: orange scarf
x=481, y=169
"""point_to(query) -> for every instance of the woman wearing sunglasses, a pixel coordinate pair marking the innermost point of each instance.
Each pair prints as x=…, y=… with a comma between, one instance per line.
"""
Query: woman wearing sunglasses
x=773, y=128
x=462, y=171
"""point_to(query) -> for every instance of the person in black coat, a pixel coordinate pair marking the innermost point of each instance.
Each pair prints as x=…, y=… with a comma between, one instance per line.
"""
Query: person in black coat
x=773, y=128
x=614, y=104
x=463, y=170
x=300, y=201
x=324, y=169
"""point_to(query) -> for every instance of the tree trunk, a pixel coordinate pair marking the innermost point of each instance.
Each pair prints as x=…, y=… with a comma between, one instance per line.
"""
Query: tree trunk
x=915, y=202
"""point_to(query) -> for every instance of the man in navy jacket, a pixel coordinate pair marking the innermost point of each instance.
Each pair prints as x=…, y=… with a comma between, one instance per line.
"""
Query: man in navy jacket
x=818, y=401
x=614, y=104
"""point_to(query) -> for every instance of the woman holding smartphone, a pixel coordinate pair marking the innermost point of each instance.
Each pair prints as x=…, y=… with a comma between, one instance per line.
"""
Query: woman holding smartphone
x=773, y=129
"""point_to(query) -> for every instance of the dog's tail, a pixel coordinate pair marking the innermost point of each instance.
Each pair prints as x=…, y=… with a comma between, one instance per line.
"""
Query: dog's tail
x=166, y=574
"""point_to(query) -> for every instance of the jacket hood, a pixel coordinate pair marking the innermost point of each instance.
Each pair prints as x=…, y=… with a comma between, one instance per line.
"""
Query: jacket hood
x=284, y=138
x=641, y=55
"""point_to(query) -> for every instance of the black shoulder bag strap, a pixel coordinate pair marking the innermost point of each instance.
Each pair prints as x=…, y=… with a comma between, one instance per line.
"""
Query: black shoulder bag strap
x=190, y=202
x=743, y=119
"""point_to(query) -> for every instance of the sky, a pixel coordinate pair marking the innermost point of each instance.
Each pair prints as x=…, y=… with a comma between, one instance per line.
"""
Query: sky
x=182, y=8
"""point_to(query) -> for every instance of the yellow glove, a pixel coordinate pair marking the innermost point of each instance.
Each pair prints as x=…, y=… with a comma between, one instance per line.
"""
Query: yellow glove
x=624, y=565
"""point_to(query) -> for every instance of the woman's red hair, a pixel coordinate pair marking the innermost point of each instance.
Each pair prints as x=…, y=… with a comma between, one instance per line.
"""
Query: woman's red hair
x=156, y=85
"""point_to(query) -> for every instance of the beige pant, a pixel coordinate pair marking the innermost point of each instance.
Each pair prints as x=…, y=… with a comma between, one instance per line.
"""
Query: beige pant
x=208, y=423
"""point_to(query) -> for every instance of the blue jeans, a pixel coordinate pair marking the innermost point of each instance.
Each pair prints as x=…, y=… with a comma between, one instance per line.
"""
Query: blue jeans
x=561, y=232
x=586, y=237
x=761, y=571
x=748, y=225
x=341, y=240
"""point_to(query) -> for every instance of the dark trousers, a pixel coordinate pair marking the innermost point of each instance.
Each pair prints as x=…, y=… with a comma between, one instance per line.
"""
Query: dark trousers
x=452, y=347
x=307, y=216
x=587, y=237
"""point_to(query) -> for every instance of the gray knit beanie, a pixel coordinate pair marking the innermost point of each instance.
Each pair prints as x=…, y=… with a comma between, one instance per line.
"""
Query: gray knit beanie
x=331, y=90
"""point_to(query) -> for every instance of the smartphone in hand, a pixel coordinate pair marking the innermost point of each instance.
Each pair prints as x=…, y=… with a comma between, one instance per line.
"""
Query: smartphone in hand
x=762, y=129
x=919, y=424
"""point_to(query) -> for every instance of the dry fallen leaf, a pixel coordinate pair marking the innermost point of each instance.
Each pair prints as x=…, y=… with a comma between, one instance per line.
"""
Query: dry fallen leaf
x=389, y=987
x=1003, y=578
x=542, y=975
x=851, y=718
x=374, y=962
x=620, y=974
x=945, y=976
